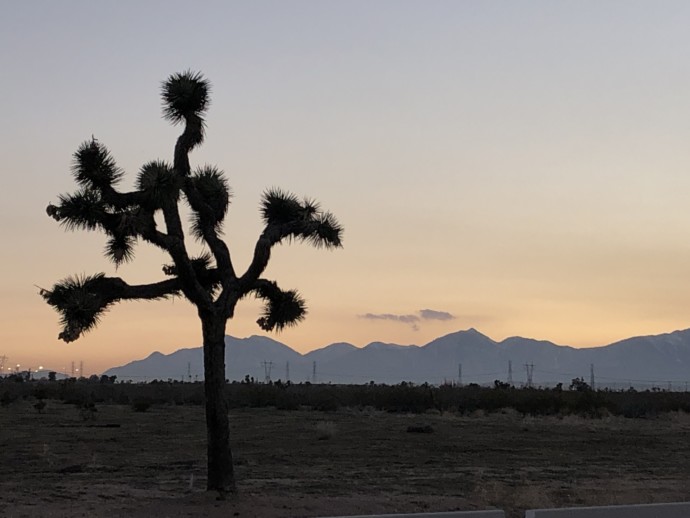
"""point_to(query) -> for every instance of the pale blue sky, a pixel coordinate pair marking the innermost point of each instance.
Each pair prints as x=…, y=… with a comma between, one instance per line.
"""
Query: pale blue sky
x=520, y=165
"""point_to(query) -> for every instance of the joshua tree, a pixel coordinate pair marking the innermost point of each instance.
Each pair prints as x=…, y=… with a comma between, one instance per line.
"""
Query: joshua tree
x=209, y=281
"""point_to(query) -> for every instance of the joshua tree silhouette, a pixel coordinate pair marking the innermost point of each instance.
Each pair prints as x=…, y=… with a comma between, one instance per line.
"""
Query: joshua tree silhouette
x=209, y=281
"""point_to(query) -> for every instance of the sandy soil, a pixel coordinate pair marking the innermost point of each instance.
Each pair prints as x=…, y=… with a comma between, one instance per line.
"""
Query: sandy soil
x=307, y=463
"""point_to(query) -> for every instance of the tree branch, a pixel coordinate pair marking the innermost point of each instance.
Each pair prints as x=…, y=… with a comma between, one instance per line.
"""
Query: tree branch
x=208, y=225
x=271, y=236
x=281, y=308
x=82, y=300
x=191, y=286
x=191, y=136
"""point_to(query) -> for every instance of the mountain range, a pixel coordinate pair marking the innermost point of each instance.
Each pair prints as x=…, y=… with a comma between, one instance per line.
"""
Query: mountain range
x=464, y=356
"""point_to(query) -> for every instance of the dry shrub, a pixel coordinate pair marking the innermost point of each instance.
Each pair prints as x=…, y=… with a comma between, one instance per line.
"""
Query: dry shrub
x=677, y=417
x=325, y=430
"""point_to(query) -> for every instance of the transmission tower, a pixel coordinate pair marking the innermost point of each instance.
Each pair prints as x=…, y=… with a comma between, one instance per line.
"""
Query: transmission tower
x=3, y=359
x=81, y=369
x=313, y=372
x=287, y=371
x=460, y=374
x=267, y=370
x=73, y=369
x=510, y=372
x=189, y=372
x=591, y=376
x=529, y=367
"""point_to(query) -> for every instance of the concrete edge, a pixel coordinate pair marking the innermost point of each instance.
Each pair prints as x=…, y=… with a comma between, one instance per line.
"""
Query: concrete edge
x=491, y=513
x=678, y=510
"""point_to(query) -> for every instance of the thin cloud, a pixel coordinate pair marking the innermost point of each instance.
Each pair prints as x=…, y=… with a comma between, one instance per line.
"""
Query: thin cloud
x=412, y=320
x=407, y=319
x=430, y=314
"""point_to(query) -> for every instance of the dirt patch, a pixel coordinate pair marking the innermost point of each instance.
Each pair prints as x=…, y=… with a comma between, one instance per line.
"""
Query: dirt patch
x=307, y=463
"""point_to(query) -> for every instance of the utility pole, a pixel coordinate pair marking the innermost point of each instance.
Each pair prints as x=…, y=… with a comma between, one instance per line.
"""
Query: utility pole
x=529, y=367
x=313, y=372
x=510, y=373
x=267, y=371
x=73, y=369
x=81, y=369
x=189, y=372
x=287, y=371
x=460, y=374
x=3, y=359
x=591, y=376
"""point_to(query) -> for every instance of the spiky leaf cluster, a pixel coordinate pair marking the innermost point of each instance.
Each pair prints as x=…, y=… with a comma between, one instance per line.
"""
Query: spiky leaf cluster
x=159, y=184
x=87, y=210
x=303, y=220
x=213, y=189
x=325, y=231
x=281, y=309
x=79, y=302
x=83, y=210
x=185, y=95
x=120, y=248
x=279, y=207
x=94, y=167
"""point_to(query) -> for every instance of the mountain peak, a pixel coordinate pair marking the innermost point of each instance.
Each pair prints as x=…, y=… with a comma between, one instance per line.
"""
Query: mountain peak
x=644, y=359
x=470, y=333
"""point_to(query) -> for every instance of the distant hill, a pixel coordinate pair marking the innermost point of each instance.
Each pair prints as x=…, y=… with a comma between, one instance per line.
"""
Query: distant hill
x=640, y=361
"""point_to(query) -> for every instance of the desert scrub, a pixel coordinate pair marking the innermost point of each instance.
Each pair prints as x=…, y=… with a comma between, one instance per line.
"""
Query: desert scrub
x=141, y=405
x=325, y=430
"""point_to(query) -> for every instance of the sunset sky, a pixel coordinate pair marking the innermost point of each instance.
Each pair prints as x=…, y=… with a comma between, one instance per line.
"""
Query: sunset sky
x=521, y=167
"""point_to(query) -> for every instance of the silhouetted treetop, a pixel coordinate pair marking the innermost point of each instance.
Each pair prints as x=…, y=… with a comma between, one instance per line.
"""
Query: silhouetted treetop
x=208, y=280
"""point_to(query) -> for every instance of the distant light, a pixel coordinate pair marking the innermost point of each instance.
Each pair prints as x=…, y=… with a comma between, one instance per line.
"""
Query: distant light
x=40, y=367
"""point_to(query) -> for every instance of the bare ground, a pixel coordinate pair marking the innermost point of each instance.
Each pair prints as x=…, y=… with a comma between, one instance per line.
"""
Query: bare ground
x=307, y=463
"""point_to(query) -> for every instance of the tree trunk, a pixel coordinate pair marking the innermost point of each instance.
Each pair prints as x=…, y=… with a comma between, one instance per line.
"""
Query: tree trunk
x=219, y=457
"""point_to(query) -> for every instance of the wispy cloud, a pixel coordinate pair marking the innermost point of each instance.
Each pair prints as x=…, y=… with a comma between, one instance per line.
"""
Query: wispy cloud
x=431, y=314
x=407, y=319
x=411, y=319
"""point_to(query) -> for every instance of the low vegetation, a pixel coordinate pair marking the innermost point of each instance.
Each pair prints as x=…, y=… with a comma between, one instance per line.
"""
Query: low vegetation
x=578, y=399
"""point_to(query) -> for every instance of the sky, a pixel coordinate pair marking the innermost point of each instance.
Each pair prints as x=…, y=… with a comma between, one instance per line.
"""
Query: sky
x=520, y=167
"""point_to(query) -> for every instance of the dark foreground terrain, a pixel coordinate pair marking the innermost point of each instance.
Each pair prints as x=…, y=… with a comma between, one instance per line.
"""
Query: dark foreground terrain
x=68, y=461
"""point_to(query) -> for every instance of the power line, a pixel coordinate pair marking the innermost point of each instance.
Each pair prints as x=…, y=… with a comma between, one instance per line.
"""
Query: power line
x=267, y=370
x=529, y=367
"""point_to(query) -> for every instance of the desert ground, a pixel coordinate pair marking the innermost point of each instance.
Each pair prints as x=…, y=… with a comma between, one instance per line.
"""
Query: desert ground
x=306, y=463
